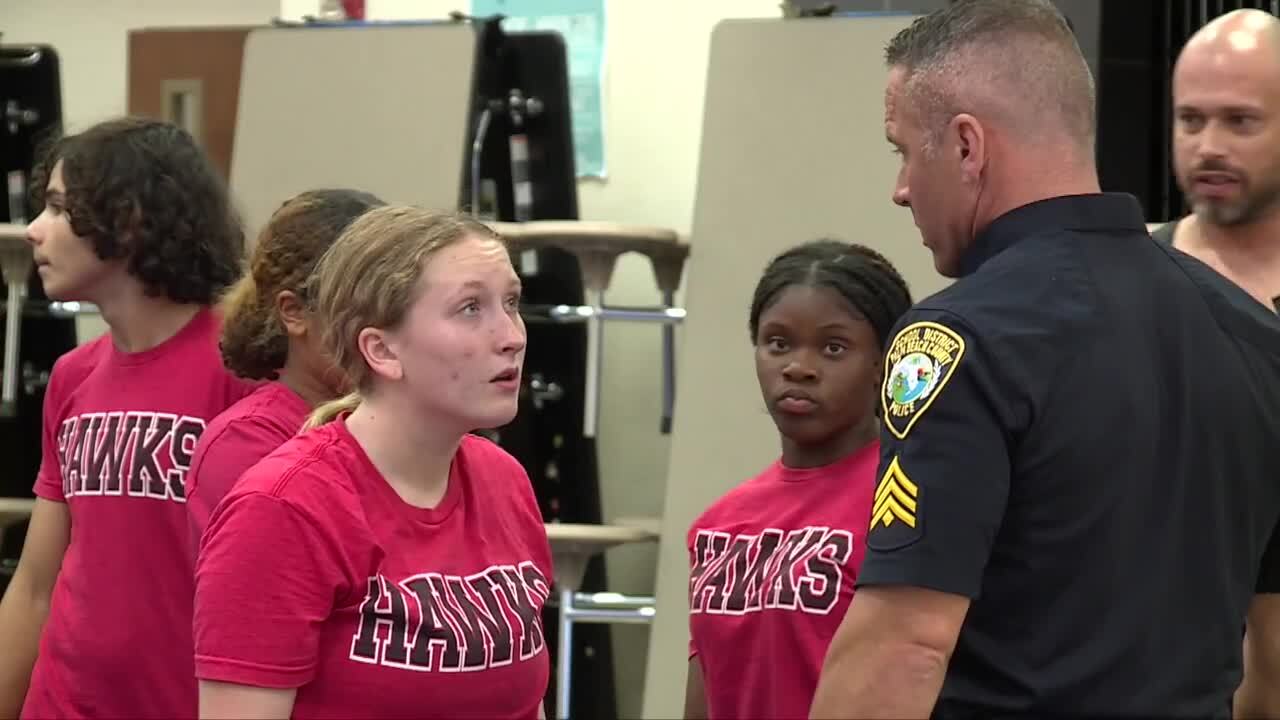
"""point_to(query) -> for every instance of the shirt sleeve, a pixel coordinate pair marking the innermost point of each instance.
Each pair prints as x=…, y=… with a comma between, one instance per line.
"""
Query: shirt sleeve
x=220, y=459
x=266, y=581
x=1269, y=573
x=49, y=477
x=944, y=473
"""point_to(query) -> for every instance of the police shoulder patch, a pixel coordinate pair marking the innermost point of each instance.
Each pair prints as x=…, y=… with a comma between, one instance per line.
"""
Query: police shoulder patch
x=920, y=361
x=895, y=511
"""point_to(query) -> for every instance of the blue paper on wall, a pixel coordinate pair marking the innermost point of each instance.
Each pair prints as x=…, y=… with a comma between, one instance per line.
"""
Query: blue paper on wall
x=581, y=23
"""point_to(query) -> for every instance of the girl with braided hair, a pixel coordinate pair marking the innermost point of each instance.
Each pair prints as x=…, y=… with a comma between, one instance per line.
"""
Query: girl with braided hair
x=774, y=560
x=269, y=333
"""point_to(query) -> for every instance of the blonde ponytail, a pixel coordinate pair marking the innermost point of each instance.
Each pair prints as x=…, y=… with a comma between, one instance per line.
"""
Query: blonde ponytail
x=330, y=410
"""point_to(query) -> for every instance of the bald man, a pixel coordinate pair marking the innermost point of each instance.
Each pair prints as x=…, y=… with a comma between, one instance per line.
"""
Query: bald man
x=1226, y=142
x=1075, y=489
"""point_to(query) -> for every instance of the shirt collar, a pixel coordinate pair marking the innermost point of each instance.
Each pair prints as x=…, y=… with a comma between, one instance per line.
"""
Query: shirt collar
x=1114, y=212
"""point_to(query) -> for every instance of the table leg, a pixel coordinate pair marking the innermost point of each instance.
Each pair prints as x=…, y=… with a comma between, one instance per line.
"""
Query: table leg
x=595, y=347
x=12, y=337
x=668, y=370
x=564, y=672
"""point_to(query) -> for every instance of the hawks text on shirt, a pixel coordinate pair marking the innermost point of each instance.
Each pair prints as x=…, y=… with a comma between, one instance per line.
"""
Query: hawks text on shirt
x=774, y=570
x=135, y=453
x=435, y=622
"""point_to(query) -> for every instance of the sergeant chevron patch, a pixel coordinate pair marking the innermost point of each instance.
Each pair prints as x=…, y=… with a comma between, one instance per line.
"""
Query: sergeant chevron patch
x=895, y=512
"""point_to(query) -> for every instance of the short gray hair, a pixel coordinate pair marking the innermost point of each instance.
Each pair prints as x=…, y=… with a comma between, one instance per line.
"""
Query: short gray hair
x=1015, y=59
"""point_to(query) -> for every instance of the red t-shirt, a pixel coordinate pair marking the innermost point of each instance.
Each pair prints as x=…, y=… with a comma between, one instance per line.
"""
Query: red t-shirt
x=119, y=431
x=235, y=441
x=314, y=574
x=773, y=567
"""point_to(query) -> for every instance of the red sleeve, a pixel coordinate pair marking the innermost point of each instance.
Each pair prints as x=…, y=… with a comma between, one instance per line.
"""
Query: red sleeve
x=49, y=478
x=220, y=459
x=266, y=581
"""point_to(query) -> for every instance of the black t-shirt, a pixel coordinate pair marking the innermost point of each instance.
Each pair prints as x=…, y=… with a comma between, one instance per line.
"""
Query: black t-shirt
x=1075, y=438
x=1269, y=573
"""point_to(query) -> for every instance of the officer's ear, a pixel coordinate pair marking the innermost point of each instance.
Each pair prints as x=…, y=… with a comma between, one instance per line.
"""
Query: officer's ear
x=971, y=145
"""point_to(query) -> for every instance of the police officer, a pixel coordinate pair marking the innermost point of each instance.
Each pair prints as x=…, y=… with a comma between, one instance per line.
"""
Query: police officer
x=1226, y=142
x=1071, y=507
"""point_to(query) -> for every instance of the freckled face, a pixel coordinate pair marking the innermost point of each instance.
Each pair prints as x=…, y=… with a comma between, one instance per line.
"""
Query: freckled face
x=461, y=345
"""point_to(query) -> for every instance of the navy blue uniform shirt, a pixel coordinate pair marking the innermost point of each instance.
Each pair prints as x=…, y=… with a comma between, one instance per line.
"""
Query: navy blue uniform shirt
x=1077, y=436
